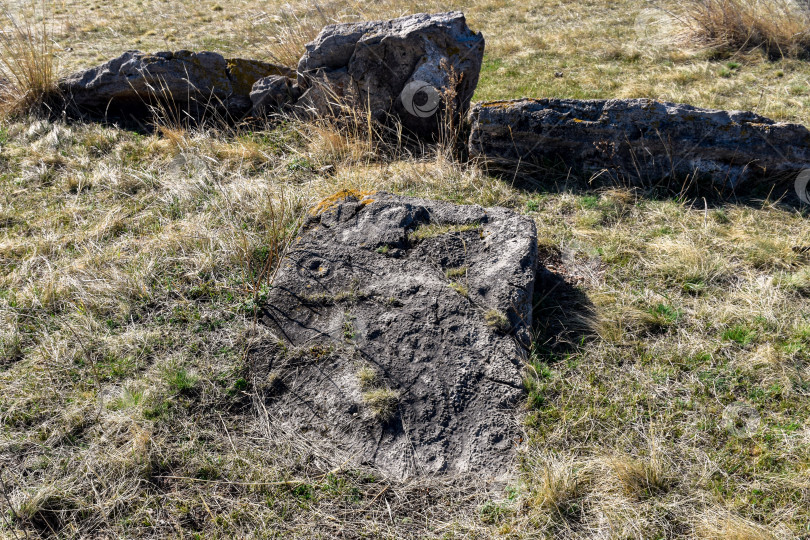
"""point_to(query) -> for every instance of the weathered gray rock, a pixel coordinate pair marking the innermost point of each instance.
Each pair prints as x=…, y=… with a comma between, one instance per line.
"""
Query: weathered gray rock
x=427, y=301
x=366, y=66
x=639, y=140
x=244, y=74
x=273, y=93
x=189, y=81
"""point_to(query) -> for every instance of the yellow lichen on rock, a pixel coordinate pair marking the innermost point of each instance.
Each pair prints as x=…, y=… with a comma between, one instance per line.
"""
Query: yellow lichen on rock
x=343, y=194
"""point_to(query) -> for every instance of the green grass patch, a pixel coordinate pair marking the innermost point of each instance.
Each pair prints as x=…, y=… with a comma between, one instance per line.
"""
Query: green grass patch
x=740, y=334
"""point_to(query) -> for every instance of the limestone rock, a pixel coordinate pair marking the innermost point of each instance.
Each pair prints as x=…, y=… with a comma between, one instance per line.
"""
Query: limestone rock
x=368, y=65
x=640, y=140
x=402, y=325
x=273, y=92
x=194, y=82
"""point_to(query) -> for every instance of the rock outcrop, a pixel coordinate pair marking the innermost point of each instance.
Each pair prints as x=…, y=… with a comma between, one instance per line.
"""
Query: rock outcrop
x=422, y=68
x=407, y=67
x=195, y=83
x=402, y=325
x=638, y=140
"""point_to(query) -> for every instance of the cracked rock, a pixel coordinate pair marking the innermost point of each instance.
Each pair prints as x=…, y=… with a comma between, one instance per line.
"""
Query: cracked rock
x=642, y=141
x=385, y=345
x=367, y=66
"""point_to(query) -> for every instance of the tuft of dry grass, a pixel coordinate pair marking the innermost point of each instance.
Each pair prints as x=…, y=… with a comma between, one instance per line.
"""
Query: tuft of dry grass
x=497, y=320
x=639, y=478
x=780, y=27
x=382, y=402
x=367, y=378
x=28, y=67
x=557, y=484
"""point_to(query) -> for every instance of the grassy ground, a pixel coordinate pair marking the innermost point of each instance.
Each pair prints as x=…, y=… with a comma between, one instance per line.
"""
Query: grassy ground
x=680, y=406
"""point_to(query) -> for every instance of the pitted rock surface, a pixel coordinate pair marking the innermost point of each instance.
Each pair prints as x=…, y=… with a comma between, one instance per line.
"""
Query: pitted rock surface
x=193, y=82
x=367, y=65
x=406, y=289
x=640, y=140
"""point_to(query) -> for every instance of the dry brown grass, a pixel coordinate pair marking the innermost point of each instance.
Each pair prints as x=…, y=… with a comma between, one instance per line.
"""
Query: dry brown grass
x=132, y=266
x=296, y=30
x=28, y=68
x=124, y=353
x=557, y=484
x=780, y=27
x=716, y=524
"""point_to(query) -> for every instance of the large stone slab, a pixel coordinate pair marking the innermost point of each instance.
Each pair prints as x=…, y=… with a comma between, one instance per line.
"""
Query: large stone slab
x=184, y=81
x=639, y=140
x=401, y=325
x=399, y=67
